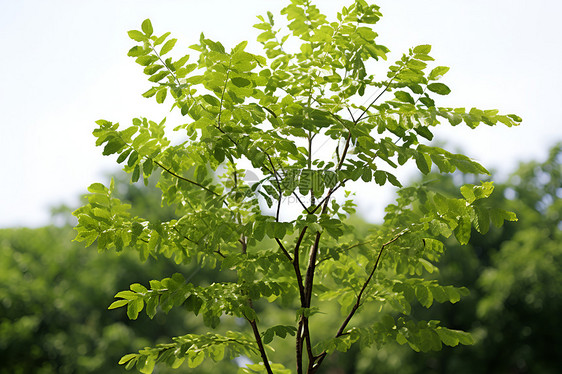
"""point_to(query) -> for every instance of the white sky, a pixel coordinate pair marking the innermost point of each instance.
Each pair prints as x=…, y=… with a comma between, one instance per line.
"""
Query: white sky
x=64, y=65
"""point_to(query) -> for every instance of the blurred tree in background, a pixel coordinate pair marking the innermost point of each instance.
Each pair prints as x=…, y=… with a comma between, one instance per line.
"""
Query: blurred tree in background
x=53, y=293
x=515, y=278
x=54, y=296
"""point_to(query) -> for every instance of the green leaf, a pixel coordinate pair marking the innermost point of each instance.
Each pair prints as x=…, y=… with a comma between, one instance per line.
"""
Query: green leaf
x=97, y=188
x=136, y=174
x=241, y=82
x=147, y=366
x=481, y=220
x=151, y=69
x=136, y=35
x=268, y=336
x=129, y=295
x=161, y=95
x=462, y=231
x=467, y=192
x=430, y=340
x=416, y=65
x=400, y=338
x=438, y=72
x=138, y=288
x=424, y=131
x=404, y=97
x=424, y=296
x=393, y=180
x=161, y=39
x=453, y=294
x=453, y=337
x=423, y=162
x=159, y=76
x=167, y=47
x=113, y=146
x=439, y=88
x=147, y=27
x=118, y=304
x=134, y=308
x=380, y=177
x=422, y=49
x=428, y=266
x=127, y=358
x=210, y=99
x=146, y=60
x=151, y=305
x=137, y=51
x=195, y=358
x=498, y=216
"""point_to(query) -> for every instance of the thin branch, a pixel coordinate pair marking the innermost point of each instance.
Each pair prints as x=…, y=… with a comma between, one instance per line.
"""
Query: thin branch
x=305, y=303
x=330, y=193
x=310, y=137
x=296, y=264
x=344, y=154
x=380, y=94
x=244, y=245
x=186, y=179
x=309, y=353
x=302, y=204
x=275, y=174
x=184, y=236
x=351, y=114
x=280, y=190
x=166, y=65
x=347, y=249
x=259, y=342
x=309, y=277
x=223, y=91
x=284, y=250
x=341, y=330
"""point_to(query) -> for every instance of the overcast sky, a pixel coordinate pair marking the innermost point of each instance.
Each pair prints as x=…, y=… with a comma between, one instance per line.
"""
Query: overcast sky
x=64, y=65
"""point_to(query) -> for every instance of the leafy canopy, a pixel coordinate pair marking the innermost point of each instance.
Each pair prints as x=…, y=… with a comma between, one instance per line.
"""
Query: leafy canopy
x=296, y=116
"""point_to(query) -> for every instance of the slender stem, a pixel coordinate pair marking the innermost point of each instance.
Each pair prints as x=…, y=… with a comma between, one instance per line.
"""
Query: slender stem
x=330, y=193
x=310, y=137
x=299, y=346
x=351, y=114
x=309, y=277
x=296, y=262
x=345, y=148
x=186, y=179
x=301, y=203
x=296, y=266
x=380, y=94
x=166, y=65
x=357, y=304
x=276, y=174
x=259, y=342
x=304, y=336
x=348, y=248
x=284, y=250
x=223, y=91
x=279, y=189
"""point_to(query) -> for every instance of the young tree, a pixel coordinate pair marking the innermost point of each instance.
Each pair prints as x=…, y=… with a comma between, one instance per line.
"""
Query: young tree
x=296, y=116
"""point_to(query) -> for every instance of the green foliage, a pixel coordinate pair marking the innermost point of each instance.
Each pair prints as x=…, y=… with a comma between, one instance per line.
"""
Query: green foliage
x=52, y=297
x=514, y=277
x=53, y=294
x=271, y=112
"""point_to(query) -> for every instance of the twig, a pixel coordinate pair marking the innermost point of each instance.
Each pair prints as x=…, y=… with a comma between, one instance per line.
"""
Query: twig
x=318, y=359
x=186, y=179
x=259, y=342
